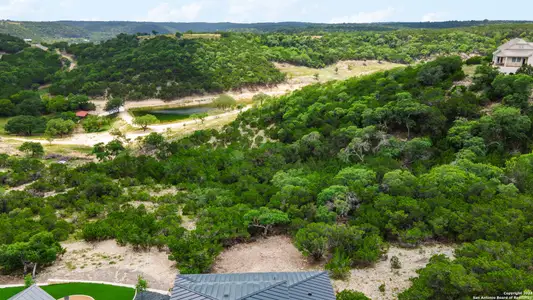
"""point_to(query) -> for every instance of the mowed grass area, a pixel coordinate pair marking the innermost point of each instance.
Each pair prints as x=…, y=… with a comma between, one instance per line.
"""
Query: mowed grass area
x=97, y=291
x=3, y=122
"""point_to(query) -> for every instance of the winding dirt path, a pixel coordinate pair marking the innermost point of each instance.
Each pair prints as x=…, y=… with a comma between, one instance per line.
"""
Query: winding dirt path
x=69, y=57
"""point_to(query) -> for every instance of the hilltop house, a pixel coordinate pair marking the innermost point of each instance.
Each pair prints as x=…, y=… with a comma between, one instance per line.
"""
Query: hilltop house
x=512, y=55
x=254, y=286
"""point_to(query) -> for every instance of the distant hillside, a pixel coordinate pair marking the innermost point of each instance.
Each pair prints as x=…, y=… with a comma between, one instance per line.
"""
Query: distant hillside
x=102, y=30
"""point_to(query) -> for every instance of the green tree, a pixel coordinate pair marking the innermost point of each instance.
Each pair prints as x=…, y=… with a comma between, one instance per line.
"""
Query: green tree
x=224, y=102
x=113, y=105
x=200, y=116
x=59, y=127
x=265, y=218
x=33, y=149
x=94, y=123
x=313, y=240
x=525, y=69
x=106, y=151
x=25, y=125
x=484, y=77
x=339, y=265
x=141, y=286
x=442, y=279
x=7, y=108
x=30, y=107
x=57, y=104
x=260, y=99
x=145, y=121
x=28, y=281
x=41, y=249
x=80, y=102
x=513, y=89
x=506, y=126
x=399, y=183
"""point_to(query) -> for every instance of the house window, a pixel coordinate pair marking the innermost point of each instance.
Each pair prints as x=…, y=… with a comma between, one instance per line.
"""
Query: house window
x=517, y=59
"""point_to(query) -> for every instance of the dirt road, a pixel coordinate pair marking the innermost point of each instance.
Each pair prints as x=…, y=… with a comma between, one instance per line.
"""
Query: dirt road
x=69, y=57
x=91, y=139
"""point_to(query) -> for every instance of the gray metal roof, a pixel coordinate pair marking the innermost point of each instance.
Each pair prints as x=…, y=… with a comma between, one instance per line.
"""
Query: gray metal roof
x=254, y=286
x=32, y=293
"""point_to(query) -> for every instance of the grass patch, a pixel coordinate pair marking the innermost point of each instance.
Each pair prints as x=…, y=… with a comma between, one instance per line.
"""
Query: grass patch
x=97, y=291
x=3, y=122
x=66, y=149
x=339, y=71
x=470, y=70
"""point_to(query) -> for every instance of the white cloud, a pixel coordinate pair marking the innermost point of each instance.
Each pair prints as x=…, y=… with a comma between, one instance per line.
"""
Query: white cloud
x=164, y=12
x=366, y=17
x=17, y=8
x=260, y=10
x=432, y=17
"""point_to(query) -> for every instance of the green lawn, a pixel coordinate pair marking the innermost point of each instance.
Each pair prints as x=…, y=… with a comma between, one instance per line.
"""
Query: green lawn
x=470, y=70
x=97, y=291
x=3, y=122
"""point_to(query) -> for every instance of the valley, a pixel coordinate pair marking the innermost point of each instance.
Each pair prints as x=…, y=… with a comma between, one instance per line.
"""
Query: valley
x=363, y=161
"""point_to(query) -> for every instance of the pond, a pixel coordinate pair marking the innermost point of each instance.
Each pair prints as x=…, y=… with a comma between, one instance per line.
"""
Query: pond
x=174, y=114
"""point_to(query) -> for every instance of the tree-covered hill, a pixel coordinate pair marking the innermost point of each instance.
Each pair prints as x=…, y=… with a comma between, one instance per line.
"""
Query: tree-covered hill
x=163, y=66
x=26, y=69
x=10, y=44
x=166, y=67
x=103, y=30
x=404, y=156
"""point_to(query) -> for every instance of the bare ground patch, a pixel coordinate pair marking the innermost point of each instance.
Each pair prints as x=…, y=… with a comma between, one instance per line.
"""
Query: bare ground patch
x=273, y=254
x=368, y=280
x=107, y=261
x=278, y=254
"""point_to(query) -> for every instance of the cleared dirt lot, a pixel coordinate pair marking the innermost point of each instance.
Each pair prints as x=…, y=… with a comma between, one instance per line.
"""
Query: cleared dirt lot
x=266, y=255
x=278, y=254
x=107, y=261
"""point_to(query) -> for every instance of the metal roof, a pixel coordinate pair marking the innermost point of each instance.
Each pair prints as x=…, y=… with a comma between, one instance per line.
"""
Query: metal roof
x=32, y=293
x=254, y=286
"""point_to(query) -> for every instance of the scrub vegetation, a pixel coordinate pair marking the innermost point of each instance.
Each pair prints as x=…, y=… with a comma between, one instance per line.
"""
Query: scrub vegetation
x=345, y=168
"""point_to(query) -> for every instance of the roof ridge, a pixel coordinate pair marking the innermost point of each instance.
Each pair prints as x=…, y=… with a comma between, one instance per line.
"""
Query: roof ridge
x=262, y=290
x=185, y=277
x=28, y=289
x=197, y=293
x=24, y=291
x=307, y=279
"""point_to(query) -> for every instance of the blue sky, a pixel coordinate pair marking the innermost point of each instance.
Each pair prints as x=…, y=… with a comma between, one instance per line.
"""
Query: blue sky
x=247, y=11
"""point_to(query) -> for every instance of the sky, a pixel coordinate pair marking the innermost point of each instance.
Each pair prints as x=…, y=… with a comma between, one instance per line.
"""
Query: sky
x=250, y=11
